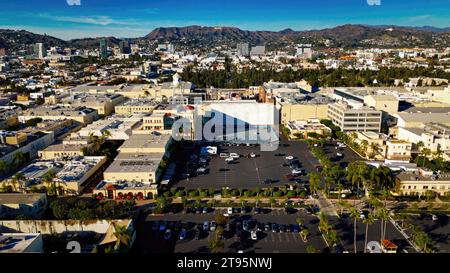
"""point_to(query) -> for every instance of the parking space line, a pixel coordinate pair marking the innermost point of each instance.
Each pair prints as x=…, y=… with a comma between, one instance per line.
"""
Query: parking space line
x=279, y=237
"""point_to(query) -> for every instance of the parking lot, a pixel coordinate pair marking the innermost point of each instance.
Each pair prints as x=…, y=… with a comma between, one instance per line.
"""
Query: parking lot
x=348, y=155
x=248, y=172
x=438, y=230
x=149, y=240
x=344, y=227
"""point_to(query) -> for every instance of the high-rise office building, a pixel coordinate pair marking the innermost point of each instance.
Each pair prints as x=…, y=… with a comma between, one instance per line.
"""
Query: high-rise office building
x=103, y=49
x=39, y=51
x=304, y=51
x=243, y=49
x=124, y=47
x=258, y=51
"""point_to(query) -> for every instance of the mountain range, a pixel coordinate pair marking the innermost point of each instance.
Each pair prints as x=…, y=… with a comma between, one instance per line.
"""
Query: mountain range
x=345, y=35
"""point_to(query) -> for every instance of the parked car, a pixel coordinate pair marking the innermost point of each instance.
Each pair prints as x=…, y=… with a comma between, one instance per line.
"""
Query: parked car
x=289, y=157
x=206, y=226
x=230, y=211
x=282, y=228
x=297, y=171
x=254, y=235
x=267, y=181
x=243, y=209
x=245, y=225
x=162, y=226
x=205, y=210
x=223, y=155
x=267, y=227
x=252, y=155
x=361, y=215
x=197, y=235
x=339, y=155
x=257, y=210
x=213, y=226
x=167, y=234
x=280, y=154
x=183, y=234
x=275, y=227
x=296, y=228
x=198, y=210
x=434, y=217
x=229, y=159
x=260, y=226
x=201, y=171
x=234, y=155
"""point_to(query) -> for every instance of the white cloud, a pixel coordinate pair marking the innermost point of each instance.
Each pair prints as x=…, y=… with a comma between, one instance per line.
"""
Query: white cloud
x=73, y=2
x=92, y=20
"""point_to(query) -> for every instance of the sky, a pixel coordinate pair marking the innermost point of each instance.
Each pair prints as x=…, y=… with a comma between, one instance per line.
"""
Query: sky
x=68, y=19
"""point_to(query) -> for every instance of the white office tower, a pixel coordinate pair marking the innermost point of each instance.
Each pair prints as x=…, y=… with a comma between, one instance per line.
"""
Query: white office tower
x=258, y=51
x=39, y=50
x=243, y=50
x=304, y=51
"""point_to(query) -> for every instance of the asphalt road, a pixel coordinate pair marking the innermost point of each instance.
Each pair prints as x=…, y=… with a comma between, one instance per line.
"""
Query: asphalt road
x=344, y=227
x=268, y=242
x=439, y=230
x=249, y=172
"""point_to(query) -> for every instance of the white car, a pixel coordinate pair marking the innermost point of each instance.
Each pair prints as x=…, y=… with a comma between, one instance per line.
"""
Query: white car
x=434, y=217
x=223, y=155
x=339, y=155
x=229, y=159
x=252, y=155
x=234, y=155
x=230, y=211
x=290, y=157
x=254, y=235
x=361, y=215
x=297, y=171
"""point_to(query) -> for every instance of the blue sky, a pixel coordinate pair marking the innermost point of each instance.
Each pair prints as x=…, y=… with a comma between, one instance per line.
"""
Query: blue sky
x=133, y=18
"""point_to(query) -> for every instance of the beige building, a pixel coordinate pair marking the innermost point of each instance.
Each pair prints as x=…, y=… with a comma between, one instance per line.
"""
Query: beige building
x=385, y=103
x=302, y=128
x=136, y=106
x=103, y=103
x=80, y=114
x=439, y=95
x=419, y=183
x=351, y=119
x=303, y=111
x=417, y=120
x=398, y=150
x=138, y=168
x=31, y=205
x=58, y=151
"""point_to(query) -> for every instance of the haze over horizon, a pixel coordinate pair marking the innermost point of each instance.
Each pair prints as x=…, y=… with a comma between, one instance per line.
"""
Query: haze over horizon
x=135, y=18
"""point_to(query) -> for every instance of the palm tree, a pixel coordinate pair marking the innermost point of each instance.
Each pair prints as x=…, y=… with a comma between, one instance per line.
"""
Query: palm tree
x=354, y=213
x=20, y=179
x=374, y=147
x=314, y=182
x=364, y=145
x=419, y=146
x=342, y=205
x=383, y=215
x=49, y=179
x=304, y=233
x=123, y=236
x=369, y=220
x=426, y=153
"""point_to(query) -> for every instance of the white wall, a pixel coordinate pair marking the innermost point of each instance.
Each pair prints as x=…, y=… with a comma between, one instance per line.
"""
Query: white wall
x=250, y=112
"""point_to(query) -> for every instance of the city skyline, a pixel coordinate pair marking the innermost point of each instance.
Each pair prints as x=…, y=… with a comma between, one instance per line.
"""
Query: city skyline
x=69, y=19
